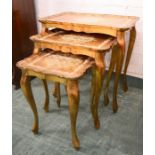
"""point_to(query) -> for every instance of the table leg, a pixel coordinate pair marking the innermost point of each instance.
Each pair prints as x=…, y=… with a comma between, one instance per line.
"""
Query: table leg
x=26, y=88
x=73, y=97
x=93, y=106
x=46, y=104
x=97, y=82
x=93, y=87
x=111, y=68
x=56, y=90
x=56, y=93
x=128, y=57
x=44, y=30
x=119, y=63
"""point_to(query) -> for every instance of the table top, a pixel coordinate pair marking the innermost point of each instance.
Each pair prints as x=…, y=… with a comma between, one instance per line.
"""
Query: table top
x=48, y=62
x=117, y=22
x=70, y=39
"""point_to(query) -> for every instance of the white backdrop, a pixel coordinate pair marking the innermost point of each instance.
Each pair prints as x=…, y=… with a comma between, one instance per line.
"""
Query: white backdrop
x=122, y=7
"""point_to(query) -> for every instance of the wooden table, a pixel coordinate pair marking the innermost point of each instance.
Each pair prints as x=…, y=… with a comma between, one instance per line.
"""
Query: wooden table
x=114, y=25
x=91, y=45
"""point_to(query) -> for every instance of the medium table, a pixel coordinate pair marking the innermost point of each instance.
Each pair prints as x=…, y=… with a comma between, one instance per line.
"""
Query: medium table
x=90, y=45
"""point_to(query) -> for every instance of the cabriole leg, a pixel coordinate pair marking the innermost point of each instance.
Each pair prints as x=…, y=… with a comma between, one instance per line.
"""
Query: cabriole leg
x=46, y=104
x=26, y=88
x=111, y=68
x=128, y=57
x=73, y=97
x=121, y=43
x=97, y=81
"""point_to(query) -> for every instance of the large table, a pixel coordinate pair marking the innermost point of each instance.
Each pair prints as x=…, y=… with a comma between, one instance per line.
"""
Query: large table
x=114, y=25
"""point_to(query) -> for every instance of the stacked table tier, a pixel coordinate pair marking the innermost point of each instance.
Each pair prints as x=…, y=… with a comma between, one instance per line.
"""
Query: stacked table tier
x=67, y=41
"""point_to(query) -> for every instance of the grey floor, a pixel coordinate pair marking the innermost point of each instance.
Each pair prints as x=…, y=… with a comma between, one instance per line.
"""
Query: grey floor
x=120, y=133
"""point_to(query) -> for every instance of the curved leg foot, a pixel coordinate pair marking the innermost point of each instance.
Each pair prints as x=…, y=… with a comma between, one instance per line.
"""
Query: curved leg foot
x=54, y=92
x=106, y=99
x=125, y=85
x=46, y=104
x=128, y=57
x=115, y=106
x=26, y=88
x=73, y=97
x=76, y=143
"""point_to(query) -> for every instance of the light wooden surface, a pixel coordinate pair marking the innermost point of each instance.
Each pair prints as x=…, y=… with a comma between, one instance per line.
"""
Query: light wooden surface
x=88, y=22
x=53, y=63
x=65, y=40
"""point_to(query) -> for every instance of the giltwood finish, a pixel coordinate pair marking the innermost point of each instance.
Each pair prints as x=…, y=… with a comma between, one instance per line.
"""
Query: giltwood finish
x=57, y=94
x=121, y=43
x=89, y=23
x=69, y=41
x=97, y=80
x=117, y=59
x=114, y=58
x=26, y=88
x=71, y=86
x=92, y=45
x=128, y=57
x=114, y=25
x=46, y=104
x=100, y=68
x=73, y=97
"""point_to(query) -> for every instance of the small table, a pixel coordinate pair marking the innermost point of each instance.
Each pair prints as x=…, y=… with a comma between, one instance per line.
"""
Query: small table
x=114, y=25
